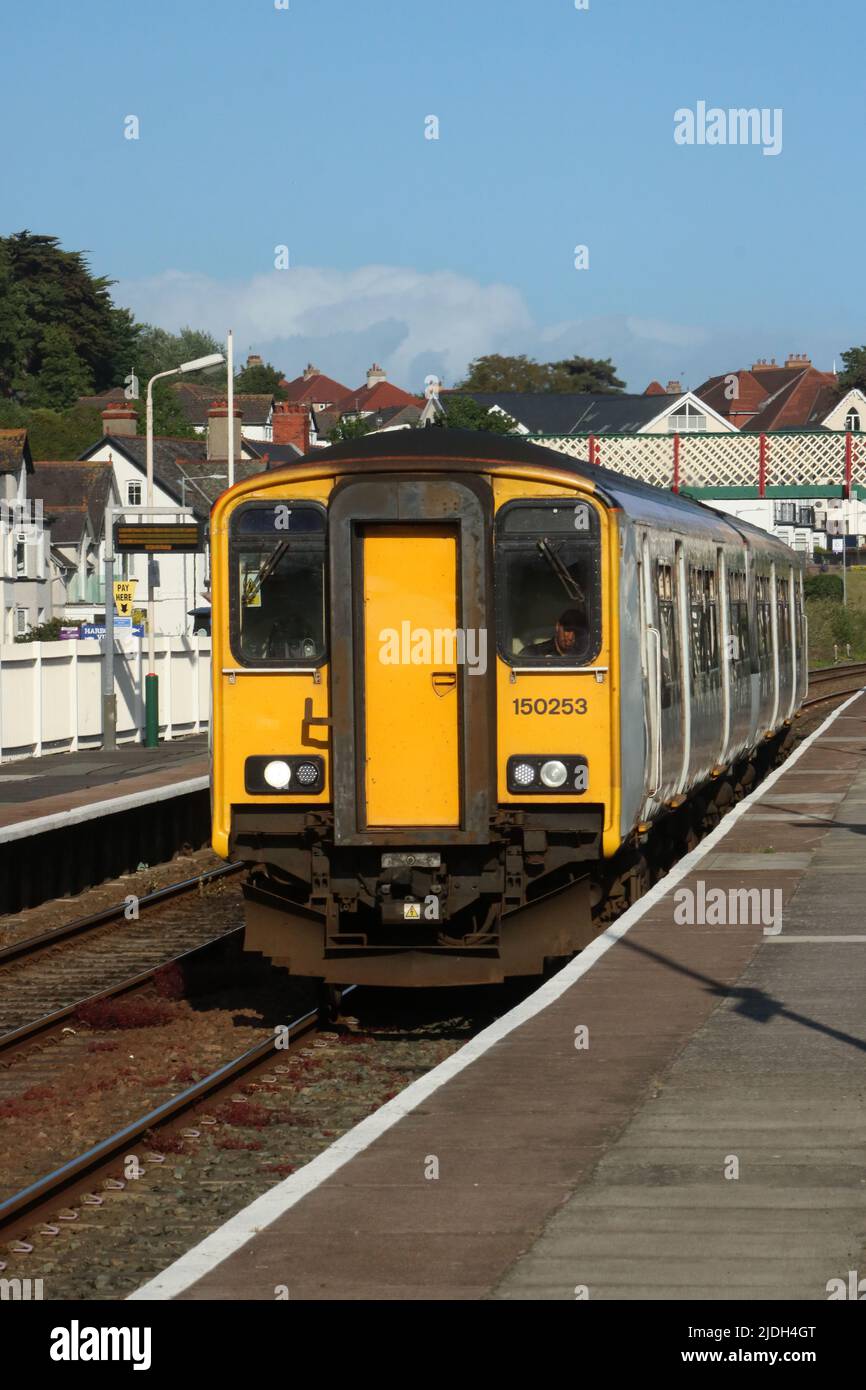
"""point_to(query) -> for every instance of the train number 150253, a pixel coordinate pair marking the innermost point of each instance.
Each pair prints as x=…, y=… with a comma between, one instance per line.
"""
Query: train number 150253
x=553, y=706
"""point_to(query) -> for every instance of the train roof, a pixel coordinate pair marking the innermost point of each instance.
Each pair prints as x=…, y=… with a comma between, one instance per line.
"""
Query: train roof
x=639, y=501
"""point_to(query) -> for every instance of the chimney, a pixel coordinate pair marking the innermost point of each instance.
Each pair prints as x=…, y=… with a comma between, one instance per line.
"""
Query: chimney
x=254, y=360
x=291, y=424
x=309, y=371
x=217, y=431
x=798, y=359
x=119, y=419
x=375, y=375
x=673, y=388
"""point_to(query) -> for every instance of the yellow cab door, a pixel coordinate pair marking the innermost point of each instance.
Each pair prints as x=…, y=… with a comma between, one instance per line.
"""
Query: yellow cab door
x=411, y=695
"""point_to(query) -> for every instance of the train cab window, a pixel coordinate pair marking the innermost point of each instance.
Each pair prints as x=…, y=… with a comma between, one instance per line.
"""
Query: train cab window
x=548, y=583
x=278, y=555
x=670, y=652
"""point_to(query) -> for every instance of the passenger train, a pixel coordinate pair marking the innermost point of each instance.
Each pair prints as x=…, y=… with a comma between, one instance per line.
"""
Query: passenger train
x=458, y=680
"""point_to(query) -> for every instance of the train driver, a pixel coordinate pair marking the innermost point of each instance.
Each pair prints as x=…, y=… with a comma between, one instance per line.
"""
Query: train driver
x=569, y=636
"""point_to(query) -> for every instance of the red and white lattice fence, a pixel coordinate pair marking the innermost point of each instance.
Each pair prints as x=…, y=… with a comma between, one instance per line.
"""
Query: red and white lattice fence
x=761, y=462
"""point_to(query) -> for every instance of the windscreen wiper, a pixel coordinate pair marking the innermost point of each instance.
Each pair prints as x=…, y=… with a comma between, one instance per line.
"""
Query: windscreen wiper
x=267, y=569
x=566, y=579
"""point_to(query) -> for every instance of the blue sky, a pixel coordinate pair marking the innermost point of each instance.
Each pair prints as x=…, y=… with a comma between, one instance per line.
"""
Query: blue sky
x=305, y=127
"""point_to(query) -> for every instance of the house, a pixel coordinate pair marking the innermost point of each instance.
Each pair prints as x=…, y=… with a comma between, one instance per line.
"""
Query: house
x=187, y=473
x=196, y=400
x=74, y=497
x=796, y=396
x=25, y=590
x=563, y=413
x=313, y=389
x=377, y=394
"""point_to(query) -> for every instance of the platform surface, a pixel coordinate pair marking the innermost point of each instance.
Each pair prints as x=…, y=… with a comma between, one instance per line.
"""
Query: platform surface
x=708, y=1141
x=34, y=788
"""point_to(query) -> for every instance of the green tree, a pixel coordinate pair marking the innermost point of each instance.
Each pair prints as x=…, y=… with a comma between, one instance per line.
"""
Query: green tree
x=157, y=350
x=855, y=369
x=464, y=413
x=44, y=287
x=585, y=374
x=349, y=429
x=168, y=417
x=63, y=377
x=261, y=380
x=54, y=434
x=496, y=372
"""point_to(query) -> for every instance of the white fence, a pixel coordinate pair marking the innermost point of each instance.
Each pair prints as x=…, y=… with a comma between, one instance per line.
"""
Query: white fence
x=51, y=693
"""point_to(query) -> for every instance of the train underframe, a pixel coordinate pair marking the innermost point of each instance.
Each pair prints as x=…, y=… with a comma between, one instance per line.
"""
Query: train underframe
x=461, y=914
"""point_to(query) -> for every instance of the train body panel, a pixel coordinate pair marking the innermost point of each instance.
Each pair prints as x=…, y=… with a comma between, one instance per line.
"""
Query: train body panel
x=454, y=675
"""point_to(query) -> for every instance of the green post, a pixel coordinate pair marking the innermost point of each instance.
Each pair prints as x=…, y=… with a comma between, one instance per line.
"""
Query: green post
x=151, y=711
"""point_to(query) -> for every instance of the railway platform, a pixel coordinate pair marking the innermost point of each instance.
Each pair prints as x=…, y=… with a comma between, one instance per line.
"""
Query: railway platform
x=678, y=1114
x=71, y=819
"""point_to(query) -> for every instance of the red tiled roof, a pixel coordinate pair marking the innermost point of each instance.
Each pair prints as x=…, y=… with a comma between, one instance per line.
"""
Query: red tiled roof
x=772, y=398
x=655, y=388
x=378, y=397
x=318, y=388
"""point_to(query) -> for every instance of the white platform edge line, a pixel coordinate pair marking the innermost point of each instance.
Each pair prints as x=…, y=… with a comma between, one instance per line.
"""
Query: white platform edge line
x=262, y=1212
x=76, y=815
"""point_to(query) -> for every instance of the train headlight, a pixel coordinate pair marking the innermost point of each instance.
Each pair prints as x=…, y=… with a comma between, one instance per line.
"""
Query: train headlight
x=294, y=774
x=277, y=774
x=553, y=773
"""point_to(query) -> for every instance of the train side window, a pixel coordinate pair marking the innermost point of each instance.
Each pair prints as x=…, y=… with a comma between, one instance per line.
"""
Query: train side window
x=668, y=633
x=765, y=631
x=703, y=607
x=548, y=583
x=738, y=616
x=783, y=614
x=277, y=596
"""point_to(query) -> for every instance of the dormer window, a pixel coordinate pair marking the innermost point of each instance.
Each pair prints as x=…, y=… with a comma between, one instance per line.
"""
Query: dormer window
x=852, y=419
x=687, y=420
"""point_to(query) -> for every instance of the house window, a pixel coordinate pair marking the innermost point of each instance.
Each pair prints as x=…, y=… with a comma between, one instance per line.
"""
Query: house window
x=20, y=559
x=21, y=623
x=133, y=494
x=852, y=419
x=687, y=420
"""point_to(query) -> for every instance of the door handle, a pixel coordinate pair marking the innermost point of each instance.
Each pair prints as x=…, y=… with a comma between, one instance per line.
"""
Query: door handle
x=443, y=681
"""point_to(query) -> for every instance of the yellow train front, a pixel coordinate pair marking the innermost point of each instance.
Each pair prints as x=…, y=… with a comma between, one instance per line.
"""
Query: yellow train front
x=418, y=719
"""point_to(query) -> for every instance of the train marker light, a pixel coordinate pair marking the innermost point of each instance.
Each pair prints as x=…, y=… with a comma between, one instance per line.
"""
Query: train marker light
x=523, y=774
x=277, y=774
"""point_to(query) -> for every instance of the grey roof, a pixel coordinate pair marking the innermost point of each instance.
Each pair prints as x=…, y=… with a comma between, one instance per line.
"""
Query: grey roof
x=272, y=455
x=195, y=401
x=181, y=466
x=585, y=412
x=72, y=494
x=15, y=446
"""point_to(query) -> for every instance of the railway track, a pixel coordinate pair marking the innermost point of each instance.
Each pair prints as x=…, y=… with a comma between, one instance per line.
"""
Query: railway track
x=42, y=984
x=79, y=1174
x=852, y=676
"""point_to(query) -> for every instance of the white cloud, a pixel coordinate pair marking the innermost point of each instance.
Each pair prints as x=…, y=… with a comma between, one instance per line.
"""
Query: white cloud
x=410, y=321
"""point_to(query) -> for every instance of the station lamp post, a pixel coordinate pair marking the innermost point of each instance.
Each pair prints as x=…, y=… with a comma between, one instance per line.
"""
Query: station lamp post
x=151, y=684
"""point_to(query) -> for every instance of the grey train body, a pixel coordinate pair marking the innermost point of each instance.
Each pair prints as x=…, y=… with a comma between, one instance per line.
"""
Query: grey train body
x=712, y=616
